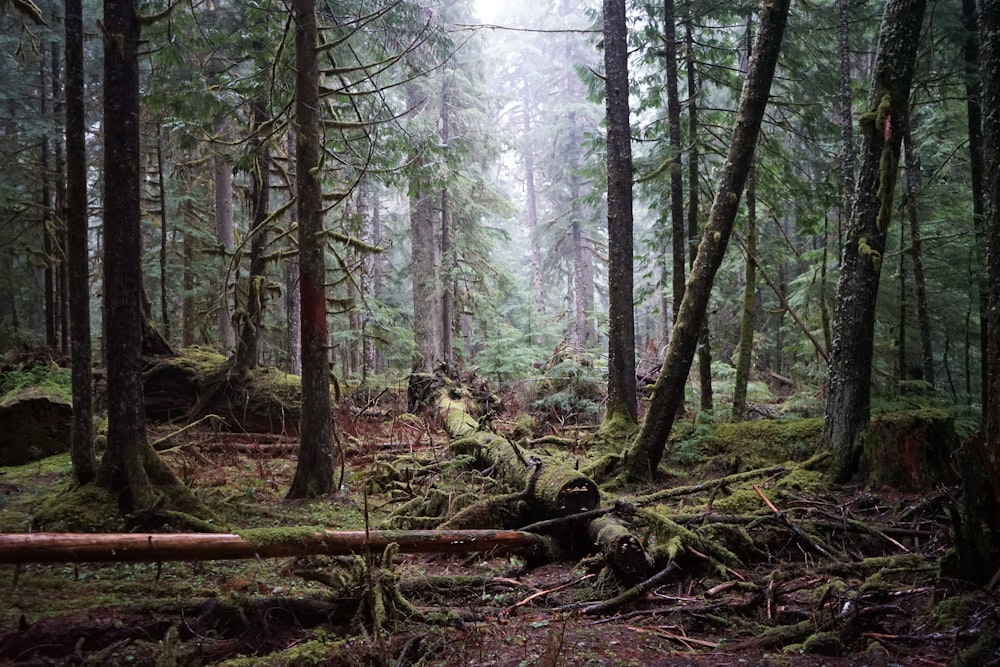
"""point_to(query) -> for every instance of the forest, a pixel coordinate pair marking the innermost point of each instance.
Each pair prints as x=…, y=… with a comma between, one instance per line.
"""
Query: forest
x=454, y=332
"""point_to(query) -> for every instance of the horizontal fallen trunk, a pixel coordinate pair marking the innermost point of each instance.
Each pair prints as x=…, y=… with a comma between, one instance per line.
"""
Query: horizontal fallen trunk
x=266, y=543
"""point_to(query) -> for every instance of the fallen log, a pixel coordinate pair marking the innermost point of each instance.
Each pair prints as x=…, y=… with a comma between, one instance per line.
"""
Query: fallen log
x=262, y=543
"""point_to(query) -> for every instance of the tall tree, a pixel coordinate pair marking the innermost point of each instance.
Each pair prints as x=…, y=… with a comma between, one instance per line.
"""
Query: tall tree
x=77, y=255
x=621, y=317
x=973, y=91
x=848, y=401
x=314, y=471
x=130, y=467
x=643, y=458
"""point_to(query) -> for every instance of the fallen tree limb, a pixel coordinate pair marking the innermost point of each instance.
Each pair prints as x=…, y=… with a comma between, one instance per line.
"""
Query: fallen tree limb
x=267, y=543
x=604, y=606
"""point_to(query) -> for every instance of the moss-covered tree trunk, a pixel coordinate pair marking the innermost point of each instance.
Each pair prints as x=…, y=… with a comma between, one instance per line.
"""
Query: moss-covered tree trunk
x=847, y=407
x=644, y=456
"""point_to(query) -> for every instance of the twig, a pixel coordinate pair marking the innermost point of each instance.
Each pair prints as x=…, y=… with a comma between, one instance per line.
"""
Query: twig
x=160, y=441
x=604, y=606
x=706, y=486
x=538, y=594
x=798, y=532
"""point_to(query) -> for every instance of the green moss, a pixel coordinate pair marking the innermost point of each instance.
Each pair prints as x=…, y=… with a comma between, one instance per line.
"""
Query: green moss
x=85, y=509
x=956, y=611
x=289, y=535
x=824, y=643
x=45, y=380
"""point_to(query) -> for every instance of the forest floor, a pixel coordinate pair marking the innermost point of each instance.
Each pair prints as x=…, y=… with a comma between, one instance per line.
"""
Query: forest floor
x=876, y=599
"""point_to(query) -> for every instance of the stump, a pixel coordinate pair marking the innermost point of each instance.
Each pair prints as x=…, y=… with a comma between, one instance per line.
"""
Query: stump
x=911, y=450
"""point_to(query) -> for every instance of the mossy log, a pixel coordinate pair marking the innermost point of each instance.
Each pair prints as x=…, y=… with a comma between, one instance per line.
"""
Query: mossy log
x=34, y=424
x=551, y=489
x=262, y=543
x=623, y=550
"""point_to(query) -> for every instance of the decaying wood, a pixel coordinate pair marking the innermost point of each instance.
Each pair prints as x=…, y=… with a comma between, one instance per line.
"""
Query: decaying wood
x=156, y=547
x=624, y=551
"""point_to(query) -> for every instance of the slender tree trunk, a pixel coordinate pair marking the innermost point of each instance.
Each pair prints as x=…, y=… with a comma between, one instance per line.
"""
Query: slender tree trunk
x=293, y=296
x=621, y=316
x=164, y=310
x=314, y=471
x=704, y=346
x=77, y=254
x=252, y=313
x=48, y=236
x=62, y=271
x=425, y=262
x=848, y=402
x=901, y=328
x=447, y=284
x=973, y=92
x=678, y=233
x=644, y=456
x=917, y=253
x=846, y=107
x=745, y=348
x=225, y=235
x=531, y=201
x=188, y=305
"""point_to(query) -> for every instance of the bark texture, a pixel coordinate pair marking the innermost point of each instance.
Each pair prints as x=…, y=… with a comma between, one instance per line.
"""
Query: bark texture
x=644, y=456
x=123, y=468
x=621, y=316
x=314, y=471
x=77, y=255
x=848, y=401
x=266, y=543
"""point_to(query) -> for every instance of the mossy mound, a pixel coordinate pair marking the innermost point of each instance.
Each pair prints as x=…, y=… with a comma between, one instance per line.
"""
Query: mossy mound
x=267, y=400
x=78, y=509
x=746, y=445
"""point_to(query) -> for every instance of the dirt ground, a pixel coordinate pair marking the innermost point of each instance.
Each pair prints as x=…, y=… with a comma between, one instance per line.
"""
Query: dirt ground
x=879, y=601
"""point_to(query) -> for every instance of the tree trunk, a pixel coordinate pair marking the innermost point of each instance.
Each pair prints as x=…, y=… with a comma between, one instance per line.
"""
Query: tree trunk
x=188, y=304
x=24, y=548
x=621, y=316
x=77, y=254
x=224, y=234
x=848, y=402
x=644, y=456
x=917, y=254
x=531, y=201
x=678, y=233
x=973, y=91
x=846, y=108
x=293, y=295
x=162, y=191
x=314, y=471
x=129, y=468
x=745, y=347
x=989, y=40
x=251, y=314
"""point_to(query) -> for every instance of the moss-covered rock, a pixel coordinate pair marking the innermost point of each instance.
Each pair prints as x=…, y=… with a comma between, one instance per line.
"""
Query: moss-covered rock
x=35, y=422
